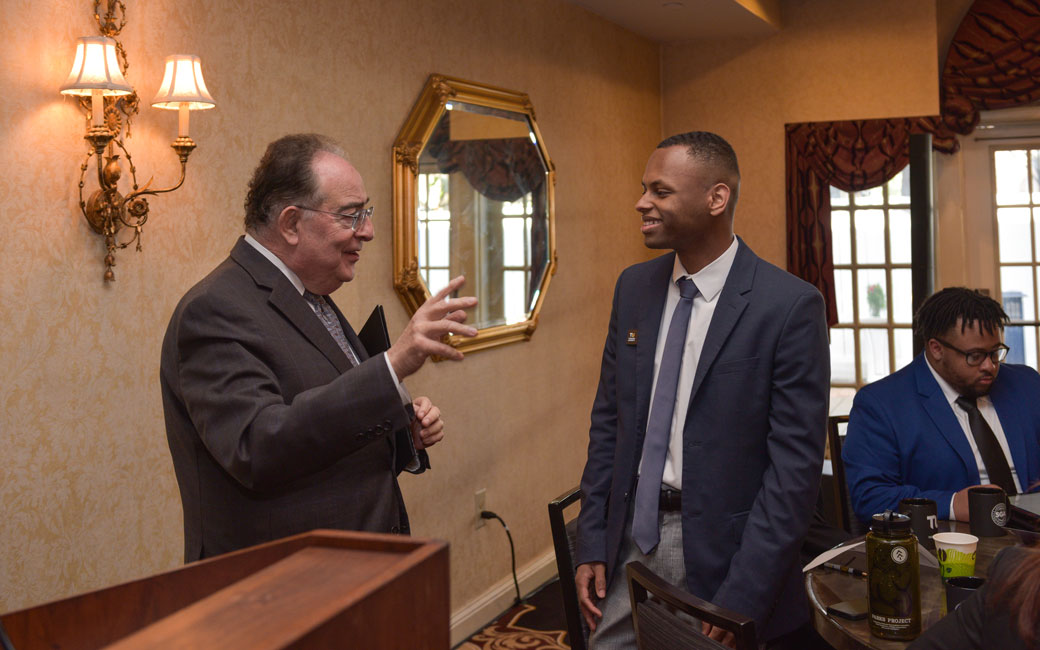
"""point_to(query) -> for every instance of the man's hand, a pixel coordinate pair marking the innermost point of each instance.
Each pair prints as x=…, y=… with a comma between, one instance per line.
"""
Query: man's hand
x=717, y=633
x=437, y=317
x=588, y=576
x=960, y=502
x=427, y=427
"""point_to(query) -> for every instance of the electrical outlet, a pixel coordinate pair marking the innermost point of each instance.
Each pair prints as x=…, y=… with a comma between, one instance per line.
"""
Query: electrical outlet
x=479, y=500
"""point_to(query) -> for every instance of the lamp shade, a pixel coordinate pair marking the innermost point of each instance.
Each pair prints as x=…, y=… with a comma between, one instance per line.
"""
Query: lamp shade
x=96, y=68
x=182, y=84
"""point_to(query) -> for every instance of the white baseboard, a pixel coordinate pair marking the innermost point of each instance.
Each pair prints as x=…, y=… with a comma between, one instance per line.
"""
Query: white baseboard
x=485, y=607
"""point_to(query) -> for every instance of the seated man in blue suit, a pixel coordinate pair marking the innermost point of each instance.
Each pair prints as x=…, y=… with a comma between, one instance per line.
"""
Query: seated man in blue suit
x=947, y=421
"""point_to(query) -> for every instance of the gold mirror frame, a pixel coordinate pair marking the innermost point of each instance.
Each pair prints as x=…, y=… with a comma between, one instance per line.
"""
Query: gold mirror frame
x=414, y=135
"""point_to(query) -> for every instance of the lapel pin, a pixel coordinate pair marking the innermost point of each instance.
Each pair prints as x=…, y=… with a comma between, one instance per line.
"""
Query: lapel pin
x=632, y=338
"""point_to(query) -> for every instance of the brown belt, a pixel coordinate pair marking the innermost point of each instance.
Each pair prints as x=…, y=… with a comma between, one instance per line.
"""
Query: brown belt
x=671, y=500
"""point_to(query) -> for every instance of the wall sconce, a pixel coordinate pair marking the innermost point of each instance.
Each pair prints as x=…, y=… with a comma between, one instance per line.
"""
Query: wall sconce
x=97, y=78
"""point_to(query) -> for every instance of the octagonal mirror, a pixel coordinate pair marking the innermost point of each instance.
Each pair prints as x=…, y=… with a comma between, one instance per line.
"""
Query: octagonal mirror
x=473, y=195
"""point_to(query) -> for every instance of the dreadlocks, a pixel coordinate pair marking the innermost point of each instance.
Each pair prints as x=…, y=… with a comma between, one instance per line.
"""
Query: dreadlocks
x=943, y=309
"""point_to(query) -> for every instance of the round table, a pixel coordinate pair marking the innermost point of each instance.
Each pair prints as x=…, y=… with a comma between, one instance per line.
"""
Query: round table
x=826, y=587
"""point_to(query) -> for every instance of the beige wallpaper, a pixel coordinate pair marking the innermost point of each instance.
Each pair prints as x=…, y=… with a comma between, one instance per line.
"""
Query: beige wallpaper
x=87, y=492
x=831, y=61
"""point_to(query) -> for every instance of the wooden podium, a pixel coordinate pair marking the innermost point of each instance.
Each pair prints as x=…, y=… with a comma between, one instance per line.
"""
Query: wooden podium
x=323, y=589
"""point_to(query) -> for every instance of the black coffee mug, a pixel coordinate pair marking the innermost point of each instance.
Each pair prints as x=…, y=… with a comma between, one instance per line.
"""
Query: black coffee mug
x=959, y=588
x=924, y=520
x=987, y=511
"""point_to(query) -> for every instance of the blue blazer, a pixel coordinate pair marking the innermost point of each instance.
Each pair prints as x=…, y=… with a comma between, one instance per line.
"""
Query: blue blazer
x=904, y=440
x=752, y=441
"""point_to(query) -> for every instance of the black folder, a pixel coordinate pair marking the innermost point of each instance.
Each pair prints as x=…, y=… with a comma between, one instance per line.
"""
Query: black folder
x=374, y=335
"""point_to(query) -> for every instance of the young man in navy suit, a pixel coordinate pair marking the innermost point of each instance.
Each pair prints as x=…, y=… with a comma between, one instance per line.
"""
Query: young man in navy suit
x=713, y=393
x=954, y=418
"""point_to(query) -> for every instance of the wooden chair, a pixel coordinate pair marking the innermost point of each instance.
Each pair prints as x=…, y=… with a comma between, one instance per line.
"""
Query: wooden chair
x=655, y=604
x=564, y=534
x=836, y=426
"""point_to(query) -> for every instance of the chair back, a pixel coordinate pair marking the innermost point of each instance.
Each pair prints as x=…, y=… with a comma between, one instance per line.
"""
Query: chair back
x=564, y=534
x=661, y=614
x=836, y=429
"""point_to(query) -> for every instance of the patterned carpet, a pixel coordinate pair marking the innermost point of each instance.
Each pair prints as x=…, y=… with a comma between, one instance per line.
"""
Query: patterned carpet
x=536, y=624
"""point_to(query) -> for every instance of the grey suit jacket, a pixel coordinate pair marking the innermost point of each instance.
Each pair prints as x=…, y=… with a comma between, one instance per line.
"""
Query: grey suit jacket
x=752, y=441
x=271, y=430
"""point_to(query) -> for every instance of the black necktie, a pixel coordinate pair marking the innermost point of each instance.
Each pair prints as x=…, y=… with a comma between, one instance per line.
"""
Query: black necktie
x=992, y=455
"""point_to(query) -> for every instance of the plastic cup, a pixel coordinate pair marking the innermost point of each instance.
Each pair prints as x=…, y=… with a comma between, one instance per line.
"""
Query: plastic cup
x=956, y=553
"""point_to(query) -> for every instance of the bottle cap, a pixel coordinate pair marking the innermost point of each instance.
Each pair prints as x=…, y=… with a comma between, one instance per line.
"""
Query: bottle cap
x=890, y=523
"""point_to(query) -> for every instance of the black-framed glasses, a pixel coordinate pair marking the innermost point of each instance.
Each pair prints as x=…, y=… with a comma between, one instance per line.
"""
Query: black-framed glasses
x=976, y=357
x=356, y=219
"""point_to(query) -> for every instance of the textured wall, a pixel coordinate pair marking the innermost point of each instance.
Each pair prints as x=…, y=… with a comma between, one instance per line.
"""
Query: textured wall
x=831, y=61
x=87, y=492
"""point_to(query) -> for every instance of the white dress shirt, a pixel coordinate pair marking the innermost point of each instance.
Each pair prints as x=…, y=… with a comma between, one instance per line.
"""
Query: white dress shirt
x=989, y=414
x=709, y=281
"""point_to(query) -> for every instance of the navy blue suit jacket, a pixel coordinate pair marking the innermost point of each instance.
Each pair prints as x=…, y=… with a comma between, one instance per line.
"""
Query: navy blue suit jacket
x=904, y=440
x=752, y=441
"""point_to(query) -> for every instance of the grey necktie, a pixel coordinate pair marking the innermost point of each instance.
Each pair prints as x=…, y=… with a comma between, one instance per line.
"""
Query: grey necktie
x=645, y=530
x=989, y=448
x=331, y=322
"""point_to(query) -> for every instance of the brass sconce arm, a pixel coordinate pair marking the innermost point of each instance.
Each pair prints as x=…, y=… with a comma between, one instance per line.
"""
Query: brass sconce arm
x=97, y=78
x=107, y=211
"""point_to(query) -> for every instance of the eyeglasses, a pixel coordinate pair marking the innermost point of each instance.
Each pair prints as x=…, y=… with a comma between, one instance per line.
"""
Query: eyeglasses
x=975, y=357
x=356, y=219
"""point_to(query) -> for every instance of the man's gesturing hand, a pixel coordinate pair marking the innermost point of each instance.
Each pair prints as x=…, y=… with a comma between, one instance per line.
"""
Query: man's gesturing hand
x=437, y=317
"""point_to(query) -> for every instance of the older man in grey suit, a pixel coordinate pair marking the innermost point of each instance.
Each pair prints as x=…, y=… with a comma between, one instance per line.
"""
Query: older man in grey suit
x=278, y=419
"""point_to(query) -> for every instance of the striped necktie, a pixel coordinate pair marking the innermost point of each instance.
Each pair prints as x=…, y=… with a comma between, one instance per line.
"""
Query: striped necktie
x=329, y=319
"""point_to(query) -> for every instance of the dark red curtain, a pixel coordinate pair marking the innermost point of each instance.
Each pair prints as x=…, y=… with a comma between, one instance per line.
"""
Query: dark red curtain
x=992, y=63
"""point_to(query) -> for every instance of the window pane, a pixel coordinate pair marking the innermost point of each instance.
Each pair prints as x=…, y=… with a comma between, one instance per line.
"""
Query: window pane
x=1021, y=342
x=899, y=236
x=1016, y=290
x=527, y=242
x=870, y=196
x=422, y=244
x=899, y=188
x=843, y=356
x=1036, y=232
x=1034, y=161
x=841, y=241
x=904, y=341
x=1012, y=183
x=515, y=296
x=870, y=237
x=838, y=197
x=873, y=353
x=516, y=207
x=437, y=280
x=843, y=293
x=841, y=401
x=902, y=298
x=873, y=295
x=513, y=243
x=439, y=243
x=1014, y=235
